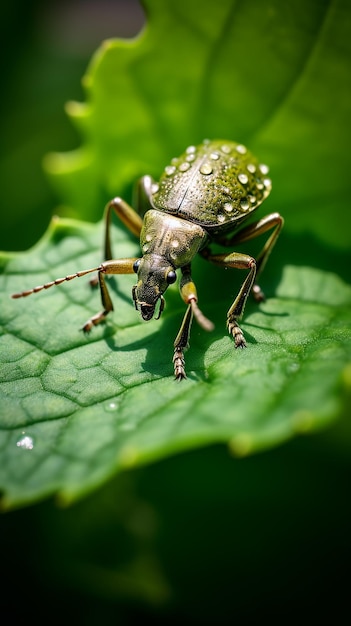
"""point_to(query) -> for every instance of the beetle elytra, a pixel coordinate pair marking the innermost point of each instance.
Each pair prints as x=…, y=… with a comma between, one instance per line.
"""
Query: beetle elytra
x=202, y=198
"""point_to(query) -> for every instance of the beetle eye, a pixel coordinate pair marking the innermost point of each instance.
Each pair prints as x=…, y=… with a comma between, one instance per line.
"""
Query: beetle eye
x=171, y=277
x=136, y=265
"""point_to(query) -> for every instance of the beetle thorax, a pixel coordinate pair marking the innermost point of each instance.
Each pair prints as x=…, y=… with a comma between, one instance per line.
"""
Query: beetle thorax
x=167, y=243
x=174, y=239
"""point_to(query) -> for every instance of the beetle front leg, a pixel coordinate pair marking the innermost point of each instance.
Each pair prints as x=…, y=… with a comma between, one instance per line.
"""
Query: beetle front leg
x=244, y=262
x=181, y=343
x=116, y=266
x=189, y=295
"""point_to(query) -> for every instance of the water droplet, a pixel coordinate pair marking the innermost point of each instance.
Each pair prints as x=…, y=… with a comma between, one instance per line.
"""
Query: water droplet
x=111, y=406
x=148, y=237
x=252, y=199
x=267, y=183
x=214, y=156
x=190, y=149
x=175, y=243
x=206, y=169
x=25, y=442
x=292, y=368
x=243, y=179
x=251, y=168
x=183, y=167
x=226, y=149
x=228, y=207
x=220, y=217
x=190, y=157
x=264, y=169
x=170, y=169
x=244, y=204
x=155, y=187
x=259, y=185
x=241, y=149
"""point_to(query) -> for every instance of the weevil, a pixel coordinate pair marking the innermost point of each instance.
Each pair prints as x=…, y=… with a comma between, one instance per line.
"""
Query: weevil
x=201, y=199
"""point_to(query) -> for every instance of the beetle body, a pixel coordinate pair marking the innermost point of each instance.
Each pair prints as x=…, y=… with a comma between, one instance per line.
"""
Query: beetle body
x=217, y=185
x=202, y=197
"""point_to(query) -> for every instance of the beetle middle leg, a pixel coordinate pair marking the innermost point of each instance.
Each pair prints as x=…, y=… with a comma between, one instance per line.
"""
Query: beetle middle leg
x=128, y=216
x=273, y=220
x=131, y=218
x=239, y=261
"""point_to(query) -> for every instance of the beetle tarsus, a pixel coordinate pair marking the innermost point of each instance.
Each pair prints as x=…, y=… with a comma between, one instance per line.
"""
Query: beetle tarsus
x=237, y=334
x=179, y=363
x=94, y=321
x=94, y=282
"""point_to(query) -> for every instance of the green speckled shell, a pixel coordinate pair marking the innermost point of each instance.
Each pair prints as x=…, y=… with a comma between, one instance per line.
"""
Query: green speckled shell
x=215, y=184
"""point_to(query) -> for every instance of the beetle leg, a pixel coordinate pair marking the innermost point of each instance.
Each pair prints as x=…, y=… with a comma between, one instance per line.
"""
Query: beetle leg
x=181, y=343
x=141, y=195
x=238, y=261
x=116, y=266
x=128, y=216
x=189, y=294
x=273, y=220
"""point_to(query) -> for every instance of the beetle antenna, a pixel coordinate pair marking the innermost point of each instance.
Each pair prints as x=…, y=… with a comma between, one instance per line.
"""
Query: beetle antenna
x=57, y=281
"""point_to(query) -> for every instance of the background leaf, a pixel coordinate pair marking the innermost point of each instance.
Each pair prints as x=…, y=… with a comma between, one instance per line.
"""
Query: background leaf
x=274, y=77
x=76, y=411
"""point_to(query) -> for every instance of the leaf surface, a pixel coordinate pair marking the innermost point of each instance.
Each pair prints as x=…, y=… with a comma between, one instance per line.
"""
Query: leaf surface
x=90, y=406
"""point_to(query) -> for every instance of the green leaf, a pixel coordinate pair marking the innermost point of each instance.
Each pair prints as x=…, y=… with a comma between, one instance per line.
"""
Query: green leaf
x=76, y=409
x=91, y=406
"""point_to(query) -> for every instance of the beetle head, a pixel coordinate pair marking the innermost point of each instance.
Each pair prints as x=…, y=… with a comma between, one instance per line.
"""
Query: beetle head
x=155, y=274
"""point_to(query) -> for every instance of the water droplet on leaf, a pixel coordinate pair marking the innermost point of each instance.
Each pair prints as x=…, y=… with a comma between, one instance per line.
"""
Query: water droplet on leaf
x=25, y=442
x=111, y=406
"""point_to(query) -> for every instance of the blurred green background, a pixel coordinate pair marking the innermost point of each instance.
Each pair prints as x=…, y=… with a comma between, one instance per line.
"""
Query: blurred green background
x=46, y=48
x=200, y=538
